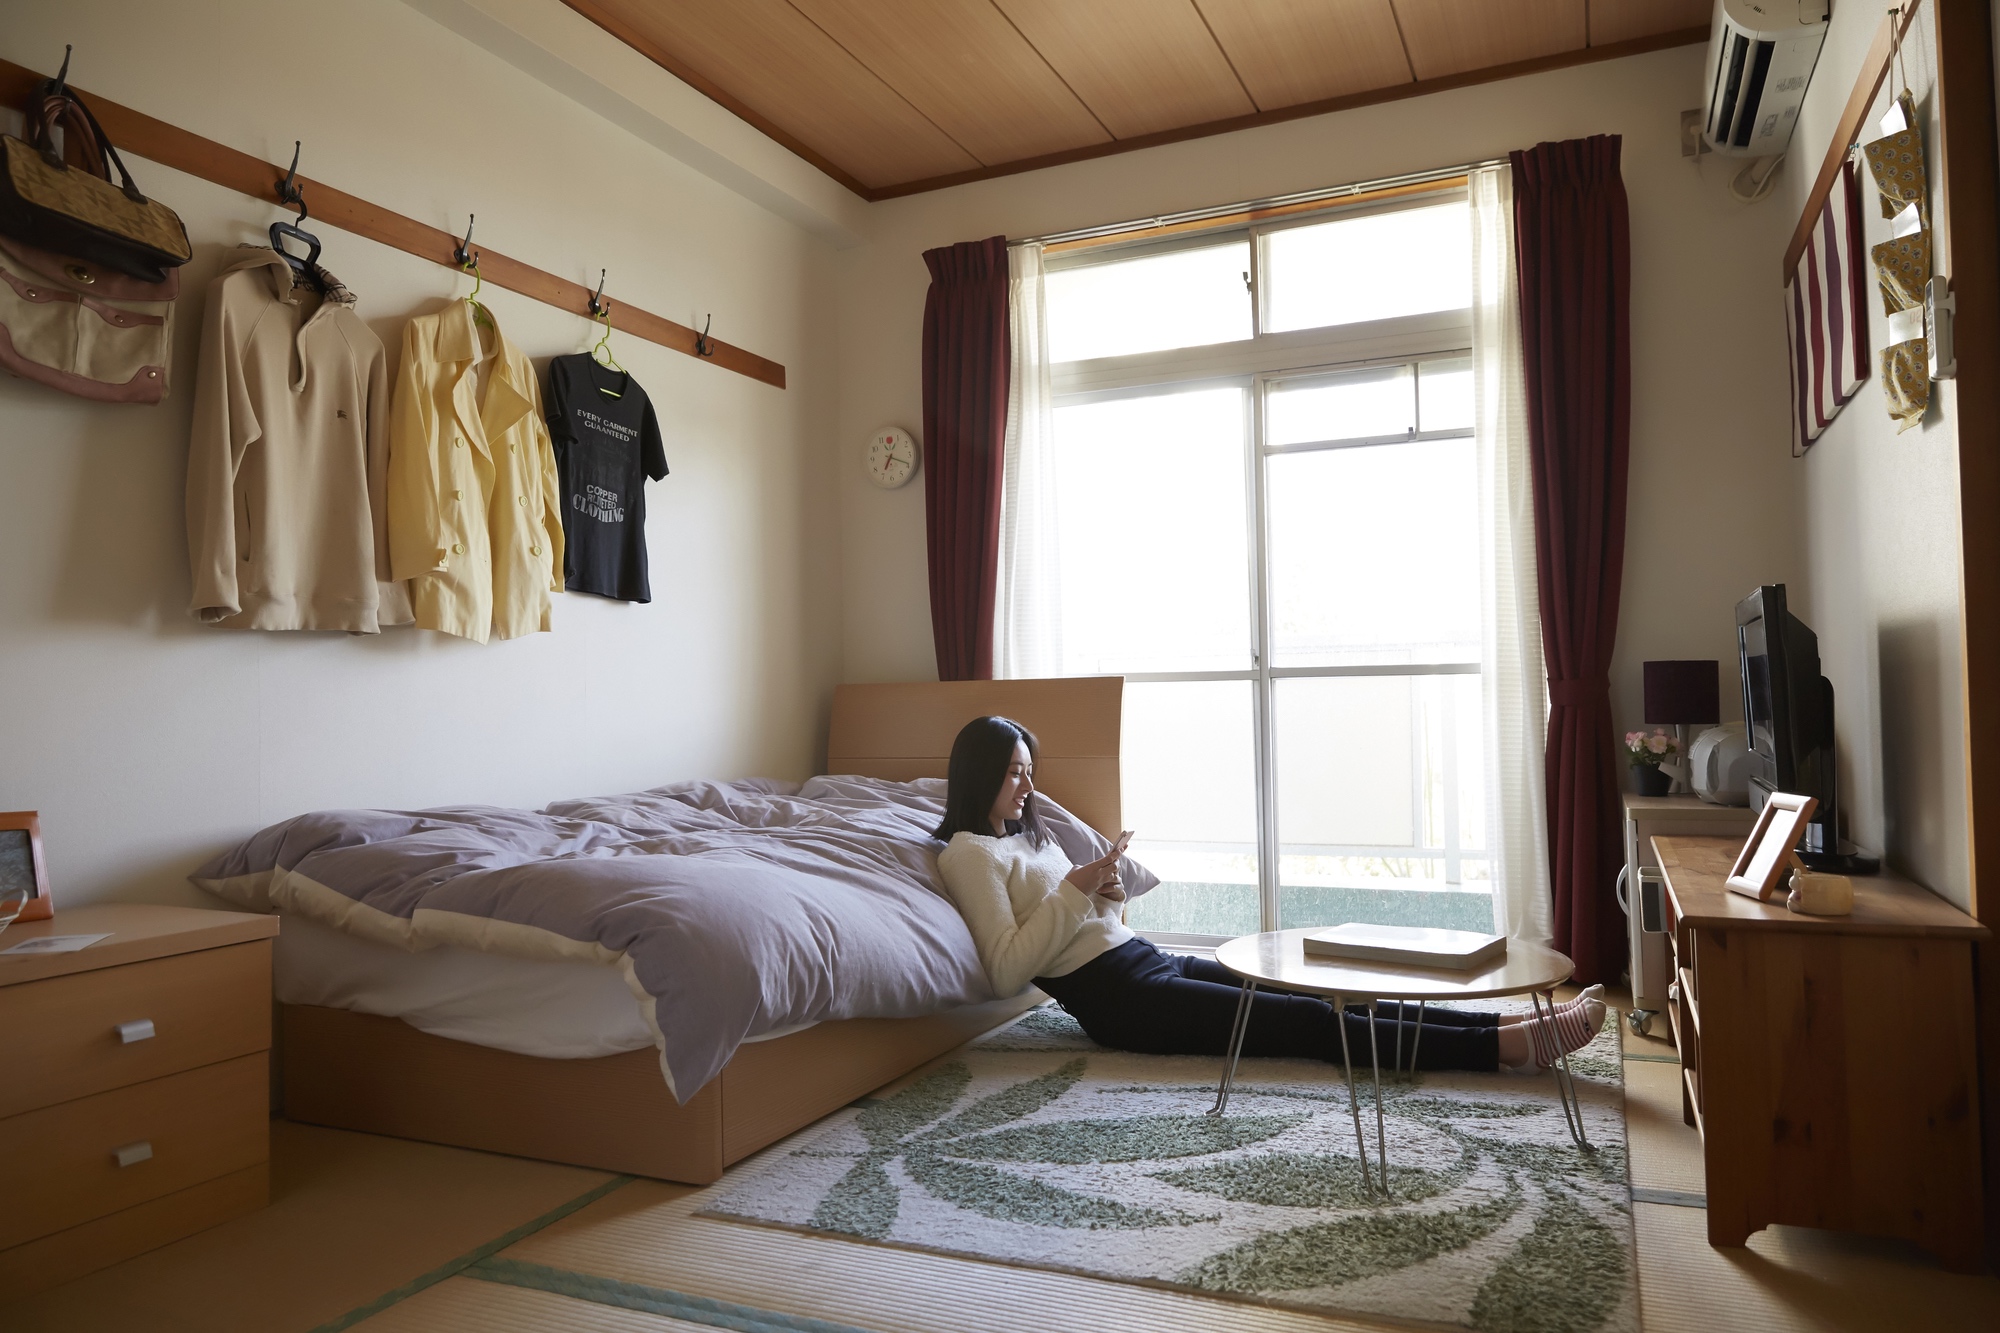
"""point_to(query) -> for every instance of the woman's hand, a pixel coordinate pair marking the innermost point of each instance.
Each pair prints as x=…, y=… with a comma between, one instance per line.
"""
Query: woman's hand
x=1098, y=878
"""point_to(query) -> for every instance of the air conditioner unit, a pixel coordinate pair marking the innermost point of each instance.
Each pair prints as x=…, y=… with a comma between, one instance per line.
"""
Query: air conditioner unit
x=1761, y=55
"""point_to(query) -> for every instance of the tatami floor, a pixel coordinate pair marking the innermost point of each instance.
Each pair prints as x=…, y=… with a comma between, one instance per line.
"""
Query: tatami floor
x=387, y=1236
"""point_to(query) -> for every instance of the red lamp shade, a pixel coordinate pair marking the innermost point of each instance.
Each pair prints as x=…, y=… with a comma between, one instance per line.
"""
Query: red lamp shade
x=1683, y=693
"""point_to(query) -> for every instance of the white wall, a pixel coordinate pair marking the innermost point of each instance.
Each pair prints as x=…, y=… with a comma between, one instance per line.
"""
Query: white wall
x=148, y=742
x=1880, y=534
x=1712, y=509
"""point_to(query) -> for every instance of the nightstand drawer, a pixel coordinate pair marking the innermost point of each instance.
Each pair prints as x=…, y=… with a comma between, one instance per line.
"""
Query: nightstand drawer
x=71, y=1036
x=60, y=1165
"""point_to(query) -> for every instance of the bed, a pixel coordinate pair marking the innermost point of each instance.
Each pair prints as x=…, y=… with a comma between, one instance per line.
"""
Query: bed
x=380, y=1074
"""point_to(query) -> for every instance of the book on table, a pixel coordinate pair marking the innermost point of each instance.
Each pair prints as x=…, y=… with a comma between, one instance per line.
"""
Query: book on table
x=1417, y=946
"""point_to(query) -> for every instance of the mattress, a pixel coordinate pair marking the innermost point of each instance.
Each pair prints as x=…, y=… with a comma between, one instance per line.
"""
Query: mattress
x=554, y=1008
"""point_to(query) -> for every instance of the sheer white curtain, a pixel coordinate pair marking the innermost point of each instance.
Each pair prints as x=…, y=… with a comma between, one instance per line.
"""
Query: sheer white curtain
x=1027, y=608
x=1511, y=667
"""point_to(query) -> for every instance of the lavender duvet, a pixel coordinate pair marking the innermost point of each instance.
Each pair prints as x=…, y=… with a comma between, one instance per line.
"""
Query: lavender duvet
x=733, y=909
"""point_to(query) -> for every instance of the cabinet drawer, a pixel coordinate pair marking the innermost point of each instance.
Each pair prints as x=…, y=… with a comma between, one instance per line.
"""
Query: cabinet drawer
x=60, y=1038
x=59, y=1164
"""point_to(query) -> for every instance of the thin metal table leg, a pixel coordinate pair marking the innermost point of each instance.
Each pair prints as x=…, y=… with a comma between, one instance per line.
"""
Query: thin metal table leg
x=1381, y=1136
x=1417, y=1041
x=1235, y=1052
x=1399, y=1036
x=1565, y=1080
x=1354, y=1105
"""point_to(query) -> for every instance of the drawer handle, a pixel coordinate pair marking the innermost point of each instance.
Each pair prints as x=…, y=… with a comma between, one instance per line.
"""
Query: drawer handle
x=134, y=1153
x=131, y=1032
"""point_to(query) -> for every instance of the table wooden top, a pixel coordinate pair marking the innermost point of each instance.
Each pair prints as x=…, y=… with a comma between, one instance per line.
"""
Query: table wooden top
x=1884, y=904
x=138, y=931
x=1278, y=958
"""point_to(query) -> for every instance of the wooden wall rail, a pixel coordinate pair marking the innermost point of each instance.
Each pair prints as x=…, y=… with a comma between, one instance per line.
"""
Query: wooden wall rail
x=1874, y=68
x=169, y=145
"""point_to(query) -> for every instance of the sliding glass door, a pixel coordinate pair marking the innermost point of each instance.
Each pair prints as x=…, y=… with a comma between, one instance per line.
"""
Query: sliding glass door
x=1266, y=519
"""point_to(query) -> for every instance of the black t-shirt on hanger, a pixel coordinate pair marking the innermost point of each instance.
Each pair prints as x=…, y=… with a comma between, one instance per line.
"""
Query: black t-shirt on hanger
x=605, y=448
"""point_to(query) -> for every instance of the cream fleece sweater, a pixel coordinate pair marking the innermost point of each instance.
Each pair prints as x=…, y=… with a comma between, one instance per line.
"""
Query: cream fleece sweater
x=1025, y=921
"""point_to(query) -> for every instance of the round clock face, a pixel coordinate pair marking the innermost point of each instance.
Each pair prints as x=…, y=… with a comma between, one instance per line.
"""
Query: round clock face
x=892, y=457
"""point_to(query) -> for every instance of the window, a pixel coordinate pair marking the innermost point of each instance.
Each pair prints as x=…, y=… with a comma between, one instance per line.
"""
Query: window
x=1265, y=504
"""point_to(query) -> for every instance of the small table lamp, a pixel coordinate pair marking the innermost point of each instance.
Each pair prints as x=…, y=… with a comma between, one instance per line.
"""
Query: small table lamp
x=1681, y=694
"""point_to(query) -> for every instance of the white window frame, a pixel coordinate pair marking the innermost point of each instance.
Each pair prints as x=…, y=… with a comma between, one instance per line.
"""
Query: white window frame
x=1253, y=364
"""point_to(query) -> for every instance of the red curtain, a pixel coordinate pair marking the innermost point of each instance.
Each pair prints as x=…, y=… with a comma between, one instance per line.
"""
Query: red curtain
x=1573, y=246
x=967, y=365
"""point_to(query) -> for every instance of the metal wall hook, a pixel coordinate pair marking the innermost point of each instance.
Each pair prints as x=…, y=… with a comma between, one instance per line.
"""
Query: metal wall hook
x=463, y=254
x=599, y=307
x=61, y=80
x=288, y=189
x=702, y=346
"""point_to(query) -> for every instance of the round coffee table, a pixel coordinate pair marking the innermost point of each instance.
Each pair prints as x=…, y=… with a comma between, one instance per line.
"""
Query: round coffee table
x=1278, y=959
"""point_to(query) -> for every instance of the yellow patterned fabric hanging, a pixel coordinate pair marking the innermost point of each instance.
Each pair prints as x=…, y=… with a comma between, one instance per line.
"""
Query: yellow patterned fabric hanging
x=1903, y=266
x=1906, y=382
x=1897, y=163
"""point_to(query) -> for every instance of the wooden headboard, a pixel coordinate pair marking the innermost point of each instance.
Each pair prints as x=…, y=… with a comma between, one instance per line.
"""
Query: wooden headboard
x=905, y=731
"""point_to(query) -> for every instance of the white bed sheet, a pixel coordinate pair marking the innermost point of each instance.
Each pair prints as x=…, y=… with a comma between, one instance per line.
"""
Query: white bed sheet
x=560, y=1010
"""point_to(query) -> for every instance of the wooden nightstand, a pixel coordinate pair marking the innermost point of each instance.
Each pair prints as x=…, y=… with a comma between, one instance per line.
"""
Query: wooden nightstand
x=1829, y=1062
x=134, y=1086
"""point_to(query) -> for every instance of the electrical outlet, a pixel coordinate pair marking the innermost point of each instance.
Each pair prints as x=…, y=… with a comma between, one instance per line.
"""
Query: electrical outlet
x=1692, y=144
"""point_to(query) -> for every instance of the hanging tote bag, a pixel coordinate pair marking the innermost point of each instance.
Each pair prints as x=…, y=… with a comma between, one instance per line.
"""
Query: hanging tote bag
x=47, y=203
x=83, y=328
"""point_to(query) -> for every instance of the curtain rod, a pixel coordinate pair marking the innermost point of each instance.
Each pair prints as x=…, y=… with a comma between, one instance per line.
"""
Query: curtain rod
x=1329, y=195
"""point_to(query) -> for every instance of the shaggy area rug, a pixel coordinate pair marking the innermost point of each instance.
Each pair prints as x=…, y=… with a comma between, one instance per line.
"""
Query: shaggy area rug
x=1034, y=1146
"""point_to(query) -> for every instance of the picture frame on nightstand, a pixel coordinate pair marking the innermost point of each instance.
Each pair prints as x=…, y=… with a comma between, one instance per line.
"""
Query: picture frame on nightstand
x=1767, y=855
x=22, y=865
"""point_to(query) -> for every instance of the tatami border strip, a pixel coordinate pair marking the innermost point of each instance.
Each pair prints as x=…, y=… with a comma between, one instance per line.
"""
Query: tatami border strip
x=1673, y=1198
x=652, y=1300
x=456, y=1266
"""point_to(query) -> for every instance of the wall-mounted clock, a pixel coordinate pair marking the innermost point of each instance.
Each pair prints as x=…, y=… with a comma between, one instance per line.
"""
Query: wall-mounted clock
x=892, y=457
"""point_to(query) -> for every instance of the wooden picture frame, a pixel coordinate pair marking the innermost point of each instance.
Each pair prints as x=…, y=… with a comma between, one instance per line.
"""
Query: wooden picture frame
x=1767, y=854
x=21, y=862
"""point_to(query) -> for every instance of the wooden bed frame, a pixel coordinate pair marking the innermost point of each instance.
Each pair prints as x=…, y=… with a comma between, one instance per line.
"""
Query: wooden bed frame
x=382, y=1076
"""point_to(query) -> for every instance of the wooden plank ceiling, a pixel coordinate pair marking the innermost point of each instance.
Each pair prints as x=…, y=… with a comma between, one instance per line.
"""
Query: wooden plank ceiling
x=895, y=96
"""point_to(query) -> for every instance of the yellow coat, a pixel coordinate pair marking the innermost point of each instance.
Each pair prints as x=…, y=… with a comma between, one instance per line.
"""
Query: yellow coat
x=475, y=518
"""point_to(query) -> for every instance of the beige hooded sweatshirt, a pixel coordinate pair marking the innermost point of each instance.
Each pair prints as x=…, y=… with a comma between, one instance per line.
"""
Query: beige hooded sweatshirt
x=287, y=463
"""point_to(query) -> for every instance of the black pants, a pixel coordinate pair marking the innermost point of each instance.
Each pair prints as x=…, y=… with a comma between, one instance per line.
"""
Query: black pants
x=1136, y=998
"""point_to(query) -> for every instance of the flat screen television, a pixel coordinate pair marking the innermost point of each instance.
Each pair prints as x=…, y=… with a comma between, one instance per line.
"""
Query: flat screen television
x=1788, y=713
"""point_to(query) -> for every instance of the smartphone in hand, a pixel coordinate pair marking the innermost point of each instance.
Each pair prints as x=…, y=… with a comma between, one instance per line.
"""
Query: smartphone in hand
x=1124, y=841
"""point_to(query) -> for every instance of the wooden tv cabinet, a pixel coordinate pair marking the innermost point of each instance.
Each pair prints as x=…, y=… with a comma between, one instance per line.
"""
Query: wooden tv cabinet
x=1829, y=1062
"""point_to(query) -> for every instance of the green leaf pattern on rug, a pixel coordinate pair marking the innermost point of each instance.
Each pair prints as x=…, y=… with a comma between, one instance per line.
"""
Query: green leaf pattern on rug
x=1568, y=1272
x=1312, y=1180
x=1564, y=1277
x=1143, y=1138
x=865, y=1202
x=1005, y=1197
x=1327, y=1254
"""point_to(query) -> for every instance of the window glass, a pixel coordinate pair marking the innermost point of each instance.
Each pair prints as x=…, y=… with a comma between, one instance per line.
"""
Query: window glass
x=1374, y=774
x=1351, y=406
x=1185, y=298
x=1444, y=395
x=1375, y=554
x=1190, y=796
x=1153, y=533
x=1407, y=262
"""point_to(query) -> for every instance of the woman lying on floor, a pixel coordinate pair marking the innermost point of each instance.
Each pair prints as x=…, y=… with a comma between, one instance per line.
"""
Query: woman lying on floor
x=1034, y=916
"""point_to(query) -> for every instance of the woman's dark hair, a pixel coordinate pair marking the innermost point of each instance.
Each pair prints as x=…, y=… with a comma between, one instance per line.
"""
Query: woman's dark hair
x=979, y=760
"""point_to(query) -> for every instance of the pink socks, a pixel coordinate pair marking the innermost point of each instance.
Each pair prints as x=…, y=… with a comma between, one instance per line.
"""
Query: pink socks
x=1569, y=1029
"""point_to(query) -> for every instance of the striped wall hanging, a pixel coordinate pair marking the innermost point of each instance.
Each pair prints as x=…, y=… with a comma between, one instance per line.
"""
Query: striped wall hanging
x=1826, y=318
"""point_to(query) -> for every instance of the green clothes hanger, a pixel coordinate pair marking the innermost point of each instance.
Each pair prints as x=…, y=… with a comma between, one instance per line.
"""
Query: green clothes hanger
x=601, y=353
x=468, y=259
